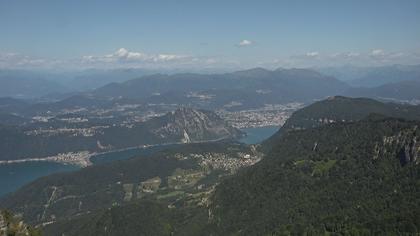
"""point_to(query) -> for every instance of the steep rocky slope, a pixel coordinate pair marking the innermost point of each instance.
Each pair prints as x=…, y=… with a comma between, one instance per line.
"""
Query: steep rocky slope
x=190, y=125
x=11, y=225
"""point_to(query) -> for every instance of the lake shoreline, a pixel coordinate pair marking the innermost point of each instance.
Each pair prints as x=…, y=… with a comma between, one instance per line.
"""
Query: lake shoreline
x=83, y=158
x=17, y=173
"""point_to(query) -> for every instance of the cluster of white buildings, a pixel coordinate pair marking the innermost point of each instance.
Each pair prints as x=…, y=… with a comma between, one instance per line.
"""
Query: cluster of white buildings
x=269, y=115
x=232, y=163
x=85, y=132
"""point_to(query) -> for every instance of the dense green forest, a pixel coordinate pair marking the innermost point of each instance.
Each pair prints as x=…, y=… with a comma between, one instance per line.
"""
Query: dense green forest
x=351, y=179
x=140, y=218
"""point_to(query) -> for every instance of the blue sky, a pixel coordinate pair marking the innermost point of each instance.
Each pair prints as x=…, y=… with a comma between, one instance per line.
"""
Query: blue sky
x=177, y=33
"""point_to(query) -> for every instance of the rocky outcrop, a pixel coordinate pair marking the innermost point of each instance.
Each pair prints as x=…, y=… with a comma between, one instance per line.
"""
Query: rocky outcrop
x=405, y=145
x=191, y=125
x=10, y=225
x=3, y=225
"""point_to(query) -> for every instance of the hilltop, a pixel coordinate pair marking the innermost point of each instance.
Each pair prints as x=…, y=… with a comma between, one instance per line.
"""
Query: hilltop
x=339, y=109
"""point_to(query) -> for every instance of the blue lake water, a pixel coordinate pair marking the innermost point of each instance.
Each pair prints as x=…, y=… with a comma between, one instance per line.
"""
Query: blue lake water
x=13, y=176
x=129, y=153
x=257, y=135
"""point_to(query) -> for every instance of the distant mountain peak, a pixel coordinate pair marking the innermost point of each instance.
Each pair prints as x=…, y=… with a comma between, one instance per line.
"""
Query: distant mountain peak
x=338, y=97
x=255, y=69
x=289, y=85
x=253, y=72
x=184, y=109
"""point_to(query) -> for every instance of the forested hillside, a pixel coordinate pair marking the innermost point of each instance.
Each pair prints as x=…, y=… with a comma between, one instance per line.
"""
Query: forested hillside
x=354, y=179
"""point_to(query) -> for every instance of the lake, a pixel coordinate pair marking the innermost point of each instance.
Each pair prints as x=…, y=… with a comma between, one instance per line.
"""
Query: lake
x=13, y=176
x=257, y=135
x=128, y=153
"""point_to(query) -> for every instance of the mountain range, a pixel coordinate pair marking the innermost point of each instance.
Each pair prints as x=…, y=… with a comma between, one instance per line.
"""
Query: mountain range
x=244, y=89
x=404, y=91
x=373, y=76
x=26, y=85
x=258, y=86
x=247, y=89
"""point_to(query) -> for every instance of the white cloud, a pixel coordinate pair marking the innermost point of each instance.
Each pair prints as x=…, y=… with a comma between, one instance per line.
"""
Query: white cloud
x=308, y=56
x=351, y=54
x=16, y=60
x=169, y=57
x=376, y=57
x=312, y=54
x=384, y=57
x=245, y=43
x=377, y=52
x=345, y=55
x=124, y=58
x=122, y=55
